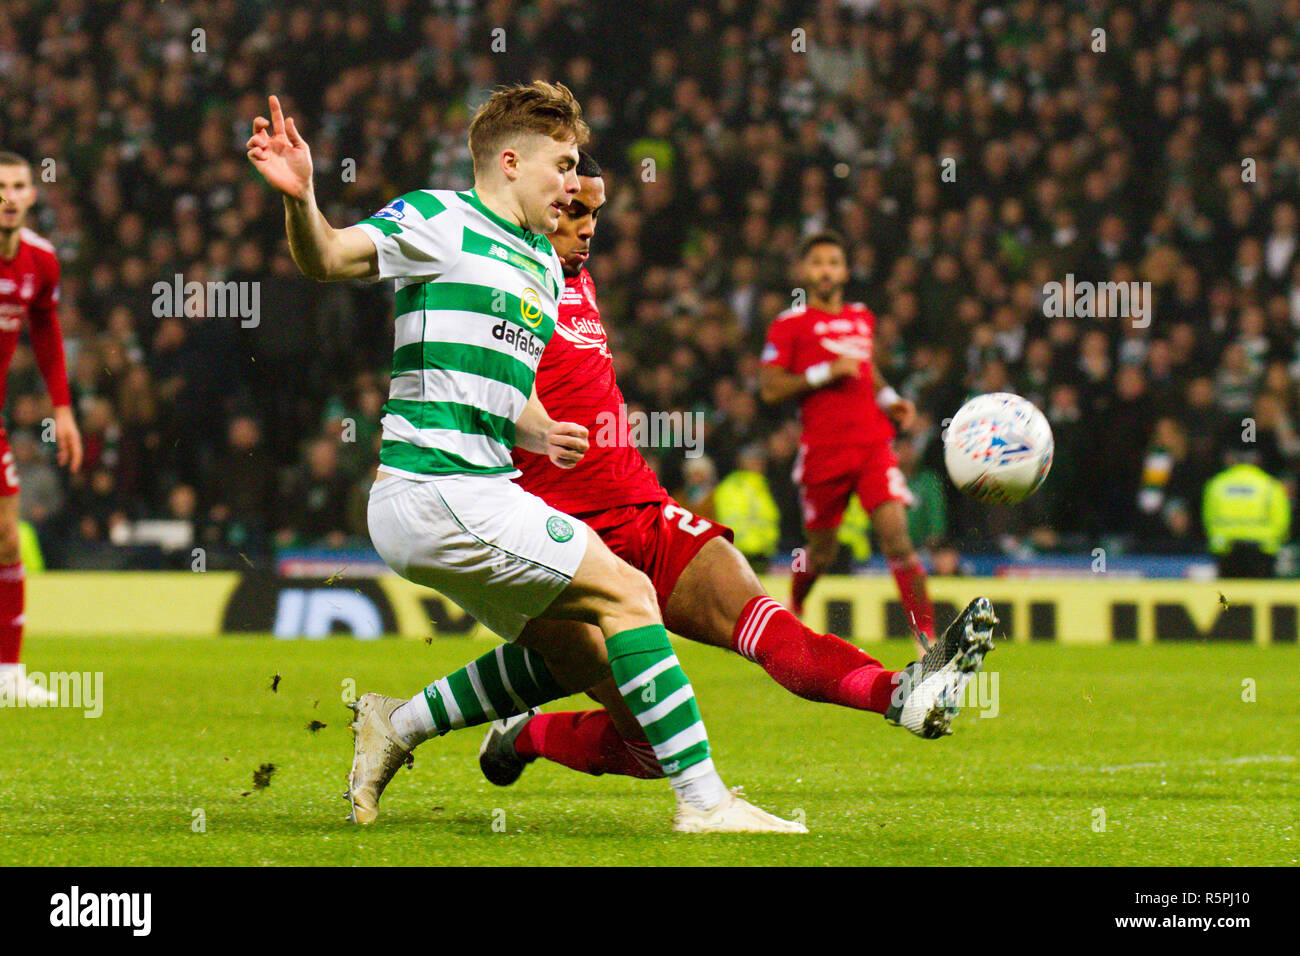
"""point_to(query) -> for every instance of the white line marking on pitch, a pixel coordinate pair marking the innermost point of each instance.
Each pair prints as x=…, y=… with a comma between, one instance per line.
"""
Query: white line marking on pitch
x=1162, y=764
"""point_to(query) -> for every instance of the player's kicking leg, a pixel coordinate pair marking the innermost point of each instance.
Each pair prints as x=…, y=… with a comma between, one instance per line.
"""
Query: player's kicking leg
x=718, y=600
x=518, y=576
x=928, y=694
x=14, y=683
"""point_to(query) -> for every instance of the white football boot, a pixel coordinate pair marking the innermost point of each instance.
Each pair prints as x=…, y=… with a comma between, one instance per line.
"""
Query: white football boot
x=928, y=695
x=18, y=690
x=377, y=753
x=734, y=814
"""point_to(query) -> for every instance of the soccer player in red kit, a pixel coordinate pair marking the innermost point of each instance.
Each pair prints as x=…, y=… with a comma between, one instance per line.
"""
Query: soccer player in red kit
x=822, y=355
x=706, y=589
x=29, y=292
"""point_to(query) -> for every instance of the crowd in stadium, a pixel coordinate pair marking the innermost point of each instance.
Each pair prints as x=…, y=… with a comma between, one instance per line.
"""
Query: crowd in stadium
x=971, y=153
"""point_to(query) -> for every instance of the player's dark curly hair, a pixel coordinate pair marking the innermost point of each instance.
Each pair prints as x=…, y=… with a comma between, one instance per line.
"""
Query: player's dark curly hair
x=587, y=165
x=825, y=237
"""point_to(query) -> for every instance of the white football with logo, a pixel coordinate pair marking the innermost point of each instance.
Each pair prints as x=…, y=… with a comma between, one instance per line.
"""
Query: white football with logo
x=998, y=448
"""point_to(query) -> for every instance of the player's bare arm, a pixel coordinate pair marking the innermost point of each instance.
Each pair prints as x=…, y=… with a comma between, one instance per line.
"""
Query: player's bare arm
x=776, y=385
x=563, y=442
x=322, y=252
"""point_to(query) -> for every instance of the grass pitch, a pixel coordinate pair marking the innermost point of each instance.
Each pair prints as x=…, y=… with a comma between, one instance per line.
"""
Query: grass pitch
x=1097, y=756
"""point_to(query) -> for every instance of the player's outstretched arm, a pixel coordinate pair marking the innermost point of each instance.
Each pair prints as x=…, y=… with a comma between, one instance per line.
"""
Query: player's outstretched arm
x=563, y=442
x=322, y=252
x=776, y=385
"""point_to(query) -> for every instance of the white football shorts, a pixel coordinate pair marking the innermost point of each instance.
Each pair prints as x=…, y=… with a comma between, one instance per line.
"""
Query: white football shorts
x=498, y=551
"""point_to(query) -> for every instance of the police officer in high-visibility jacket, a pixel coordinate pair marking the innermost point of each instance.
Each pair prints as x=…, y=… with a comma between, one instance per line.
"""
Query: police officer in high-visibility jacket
x=1247, y=517
x=743, y=501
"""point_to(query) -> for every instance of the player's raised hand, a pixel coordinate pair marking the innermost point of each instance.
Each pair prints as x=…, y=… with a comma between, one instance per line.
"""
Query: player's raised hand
x=566, y=443
x=279, y=153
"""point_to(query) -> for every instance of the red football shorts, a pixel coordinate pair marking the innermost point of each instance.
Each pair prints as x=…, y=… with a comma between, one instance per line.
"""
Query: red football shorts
x=8, y=470
x=827, y=477
x=658, y=538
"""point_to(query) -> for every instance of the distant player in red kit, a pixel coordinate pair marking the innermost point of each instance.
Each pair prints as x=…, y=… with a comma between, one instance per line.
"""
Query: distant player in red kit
x=29, y=292
x=822, y=355
x=706, y=589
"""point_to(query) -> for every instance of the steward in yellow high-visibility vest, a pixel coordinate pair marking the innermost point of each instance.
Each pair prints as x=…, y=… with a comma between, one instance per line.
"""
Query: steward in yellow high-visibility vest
x=855, y=530
x=744, y=503
x=29, y=549
x=1247, y=518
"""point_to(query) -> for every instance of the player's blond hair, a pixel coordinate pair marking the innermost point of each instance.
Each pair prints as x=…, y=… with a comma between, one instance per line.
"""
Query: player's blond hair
x=536, y=107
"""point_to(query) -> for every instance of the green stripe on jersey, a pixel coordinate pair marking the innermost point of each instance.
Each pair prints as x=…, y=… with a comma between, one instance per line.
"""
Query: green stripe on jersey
x=458, y=357
x=489, y=302
x=454, y=416
x=477, y=302
x=425, y=203
x=386, y=226
x=432, y=461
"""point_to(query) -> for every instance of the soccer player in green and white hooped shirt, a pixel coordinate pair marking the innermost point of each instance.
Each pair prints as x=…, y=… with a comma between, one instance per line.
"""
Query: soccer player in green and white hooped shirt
x=477, y=293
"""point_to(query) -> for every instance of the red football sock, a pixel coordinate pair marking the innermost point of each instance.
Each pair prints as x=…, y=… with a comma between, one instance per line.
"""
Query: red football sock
x=11, y=612
x=586, y=741
x=803, y=582
x=910, y=577
x=820, y=667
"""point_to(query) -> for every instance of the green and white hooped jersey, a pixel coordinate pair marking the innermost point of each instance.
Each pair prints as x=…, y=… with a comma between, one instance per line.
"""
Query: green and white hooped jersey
x=477, y=300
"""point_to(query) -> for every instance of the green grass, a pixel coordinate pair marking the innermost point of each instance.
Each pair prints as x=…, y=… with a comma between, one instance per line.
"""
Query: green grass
x=1157, y=737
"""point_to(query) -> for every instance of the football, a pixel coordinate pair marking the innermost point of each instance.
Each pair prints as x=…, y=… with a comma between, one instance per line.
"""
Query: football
x=998, y=448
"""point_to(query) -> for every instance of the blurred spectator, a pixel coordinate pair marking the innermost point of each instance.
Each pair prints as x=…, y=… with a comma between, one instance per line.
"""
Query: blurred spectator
x=43, y=495
x=241, y=497
x=1166, y=499
x=314, y=509
x=946, y=561
x=699, y=480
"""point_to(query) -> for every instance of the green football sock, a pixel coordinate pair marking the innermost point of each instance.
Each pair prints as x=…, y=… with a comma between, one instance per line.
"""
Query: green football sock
x=503, y=682
x=654, y=686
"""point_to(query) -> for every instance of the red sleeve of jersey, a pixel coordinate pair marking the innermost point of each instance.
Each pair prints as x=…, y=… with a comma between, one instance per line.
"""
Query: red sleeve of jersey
x=779, y=348
x=47, y=339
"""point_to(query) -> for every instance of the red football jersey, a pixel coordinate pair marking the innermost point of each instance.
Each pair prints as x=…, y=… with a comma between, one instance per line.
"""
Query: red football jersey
x=575, y=382
x=29, y=292
x=844, y=412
